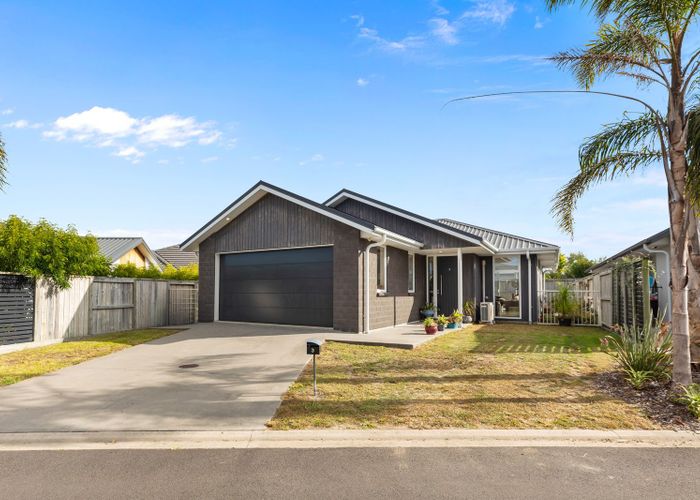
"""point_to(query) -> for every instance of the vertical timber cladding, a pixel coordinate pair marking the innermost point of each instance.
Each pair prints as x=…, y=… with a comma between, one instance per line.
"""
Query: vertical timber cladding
x=16, y=309
x=292, y=287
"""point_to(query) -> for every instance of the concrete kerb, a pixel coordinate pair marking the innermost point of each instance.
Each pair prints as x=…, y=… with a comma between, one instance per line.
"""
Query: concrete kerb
x=394, y=438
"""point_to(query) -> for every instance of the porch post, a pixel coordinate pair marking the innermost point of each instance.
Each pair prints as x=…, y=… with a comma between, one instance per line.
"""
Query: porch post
x=427, y=280
x=460, y=288
x=435, y=296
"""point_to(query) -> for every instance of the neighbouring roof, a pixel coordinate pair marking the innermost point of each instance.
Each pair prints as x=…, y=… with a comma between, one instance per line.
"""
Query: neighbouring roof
x=344, y=194
x=176, y=257
x=504, y=242
x=637, y=247
x=261, y=189
x=114, y=247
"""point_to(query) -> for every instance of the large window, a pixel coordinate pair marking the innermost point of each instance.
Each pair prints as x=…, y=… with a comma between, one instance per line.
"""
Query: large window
x=506, y=282
x=381, y=270
x=411, y=273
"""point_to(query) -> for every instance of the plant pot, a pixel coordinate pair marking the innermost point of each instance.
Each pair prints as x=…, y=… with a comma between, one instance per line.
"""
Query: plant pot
x=451, y=326
x=431, y=330
x=468, y=319
x=428, y=313
x=564, y=321
x=441, y=328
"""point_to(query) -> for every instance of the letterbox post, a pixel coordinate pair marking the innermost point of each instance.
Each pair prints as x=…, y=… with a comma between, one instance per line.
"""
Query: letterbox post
x=313, y=347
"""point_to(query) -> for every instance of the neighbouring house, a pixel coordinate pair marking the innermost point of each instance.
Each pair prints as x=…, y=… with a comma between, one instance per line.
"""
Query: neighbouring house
x=176, y=257
x=122, y=250
x=356, y=264
x=616, y=298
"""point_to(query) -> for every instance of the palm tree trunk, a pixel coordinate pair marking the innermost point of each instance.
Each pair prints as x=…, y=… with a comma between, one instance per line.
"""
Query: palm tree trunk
x=679, y=210
x=694, y=288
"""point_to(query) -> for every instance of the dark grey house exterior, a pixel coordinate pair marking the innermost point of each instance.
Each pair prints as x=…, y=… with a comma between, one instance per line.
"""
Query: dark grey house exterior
x=356, y=264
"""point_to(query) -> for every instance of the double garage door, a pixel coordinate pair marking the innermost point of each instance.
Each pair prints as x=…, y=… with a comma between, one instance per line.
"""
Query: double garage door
x=293, y=287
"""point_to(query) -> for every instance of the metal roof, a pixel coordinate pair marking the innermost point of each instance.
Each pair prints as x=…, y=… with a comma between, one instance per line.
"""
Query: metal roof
x=504, y=242
x=114, y=247
x=177, y=258
x=666, y=233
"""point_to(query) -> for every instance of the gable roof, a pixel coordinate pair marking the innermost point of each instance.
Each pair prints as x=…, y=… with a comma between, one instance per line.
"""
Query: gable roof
x=176, y=257
x=262, y=188
x=661, y=235
x=114, y=247
x=345, y=194
x=505, y=242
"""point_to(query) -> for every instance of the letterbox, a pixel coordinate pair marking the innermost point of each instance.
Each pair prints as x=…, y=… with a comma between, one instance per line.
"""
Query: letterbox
x=313, y=347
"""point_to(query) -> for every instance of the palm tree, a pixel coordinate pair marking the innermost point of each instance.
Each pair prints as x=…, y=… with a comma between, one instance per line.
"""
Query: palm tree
x=644, y=40
x=3, y=164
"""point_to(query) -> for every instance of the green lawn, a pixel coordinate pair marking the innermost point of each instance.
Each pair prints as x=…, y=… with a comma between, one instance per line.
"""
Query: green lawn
x=21, y=365
x=485, y=376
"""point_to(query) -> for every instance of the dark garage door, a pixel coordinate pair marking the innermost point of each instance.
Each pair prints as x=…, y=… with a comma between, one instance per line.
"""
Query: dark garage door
x=293, y=287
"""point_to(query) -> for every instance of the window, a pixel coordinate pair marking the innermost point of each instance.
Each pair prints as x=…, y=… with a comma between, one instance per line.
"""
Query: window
x=411, y=273
x=506, y=284
x=381, y=270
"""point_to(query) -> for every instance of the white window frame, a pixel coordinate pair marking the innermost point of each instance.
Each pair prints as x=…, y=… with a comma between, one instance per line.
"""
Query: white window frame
x=520, y=286
x=412, y=272
x=381, y=254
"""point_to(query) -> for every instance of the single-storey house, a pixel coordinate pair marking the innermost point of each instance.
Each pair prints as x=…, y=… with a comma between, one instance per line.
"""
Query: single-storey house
x=356, y=264
x=176, y=257
x=124, y=250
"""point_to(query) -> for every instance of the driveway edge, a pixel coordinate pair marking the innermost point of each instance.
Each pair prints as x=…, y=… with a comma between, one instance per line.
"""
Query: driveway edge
x=391, y=438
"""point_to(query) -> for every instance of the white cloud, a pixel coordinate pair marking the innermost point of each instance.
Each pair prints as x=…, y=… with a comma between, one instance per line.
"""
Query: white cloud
x=22, y=124
x=7, y=111
x=494, y=11
x=359, y=20
x=318, y=157
x=209, y=159
x=408, y=42
x=362, y=82
x=443, y=30
x=439, y=9
x=109, y=127
x=539, y=24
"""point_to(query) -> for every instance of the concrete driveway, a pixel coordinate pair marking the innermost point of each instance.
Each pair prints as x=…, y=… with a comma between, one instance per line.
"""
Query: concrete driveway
x=243, y=372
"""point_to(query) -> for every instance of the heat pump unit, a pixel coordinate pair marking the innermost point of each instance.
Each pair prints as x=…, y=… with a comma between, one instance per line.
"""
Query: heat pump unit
x=486, y=312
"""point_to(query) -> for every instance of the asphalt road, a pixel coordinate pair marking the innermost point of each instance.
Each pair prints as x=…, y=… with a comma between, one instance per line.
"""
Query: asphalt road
x=354, y=473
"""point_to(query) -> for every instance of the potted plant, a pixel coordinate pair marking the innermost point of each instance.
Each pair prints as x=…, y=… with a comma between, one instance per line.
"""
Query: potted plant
x=455, y=319
x=427, y=310
x=565, y=306
x=469, y=311
x=442, y=322
x=430, y=325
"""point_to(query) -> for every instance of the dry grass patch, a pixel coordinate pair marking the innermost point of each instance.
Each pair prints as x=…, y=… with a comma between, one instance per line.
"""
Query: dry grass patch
x=21, y=365
x=485, y=376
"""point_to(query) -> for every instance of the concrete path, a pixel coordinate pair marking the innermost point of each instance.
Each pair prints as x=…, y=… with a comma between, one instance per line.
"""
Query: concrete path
x=347, y=473
x=407, y=336
x=243, y=372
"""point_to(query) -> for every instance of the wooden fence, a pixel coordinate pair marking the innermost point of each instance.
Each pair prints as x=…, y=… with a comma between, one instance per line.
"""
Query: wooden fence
x=92, y=306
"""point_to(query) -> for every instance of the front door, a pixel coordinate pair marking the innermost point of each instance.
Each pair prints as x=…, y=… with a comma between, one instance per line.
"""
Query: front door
x=447, y=285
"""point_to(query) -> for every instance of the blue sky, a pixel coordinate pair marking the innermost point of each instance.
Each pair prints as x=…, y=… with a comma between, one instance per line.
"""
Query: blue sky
x=147, y=118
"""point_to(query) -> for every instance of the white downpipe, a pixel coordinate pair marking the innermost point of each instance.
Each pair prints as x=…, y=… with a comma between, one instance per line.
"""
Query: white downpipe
x=529, y=290
x=367, y=249
x=668, y=274
x=427, y=279
x=460, y=287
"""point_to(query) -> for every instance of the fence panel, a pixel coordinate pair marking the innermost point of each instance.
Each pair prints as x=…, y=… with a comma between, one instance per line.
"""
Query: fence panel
x=111, y=305
x=16, y=309
x=183, y=303
x=62, y=314
x=151, y=302
x=588, y=305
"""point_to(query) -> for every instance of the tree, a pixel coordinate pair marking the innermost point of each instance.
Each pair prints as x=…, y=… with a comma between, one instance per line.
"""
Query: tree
x=643, y=40
x=3, y=164
x=44, y=250
x=574, y=266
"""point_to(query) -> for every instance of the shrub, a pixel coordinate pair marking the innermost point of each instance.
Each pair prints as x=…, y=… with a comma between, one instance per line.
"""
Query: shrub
x=45, y=250
x=691, y=399
x=187, y=273
x=644, y=355
x=565, y=303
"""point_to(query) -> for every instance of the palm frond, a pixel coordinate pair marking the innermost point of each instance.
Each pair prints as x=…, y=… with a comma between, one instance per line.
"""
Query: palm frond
x=620, y=149
x=3, y=165
x=617, y=48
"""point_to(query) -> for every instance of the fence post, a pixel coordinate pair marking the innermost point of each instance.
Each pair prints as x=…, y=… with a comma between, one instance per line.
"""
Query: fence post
x=646, y=299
